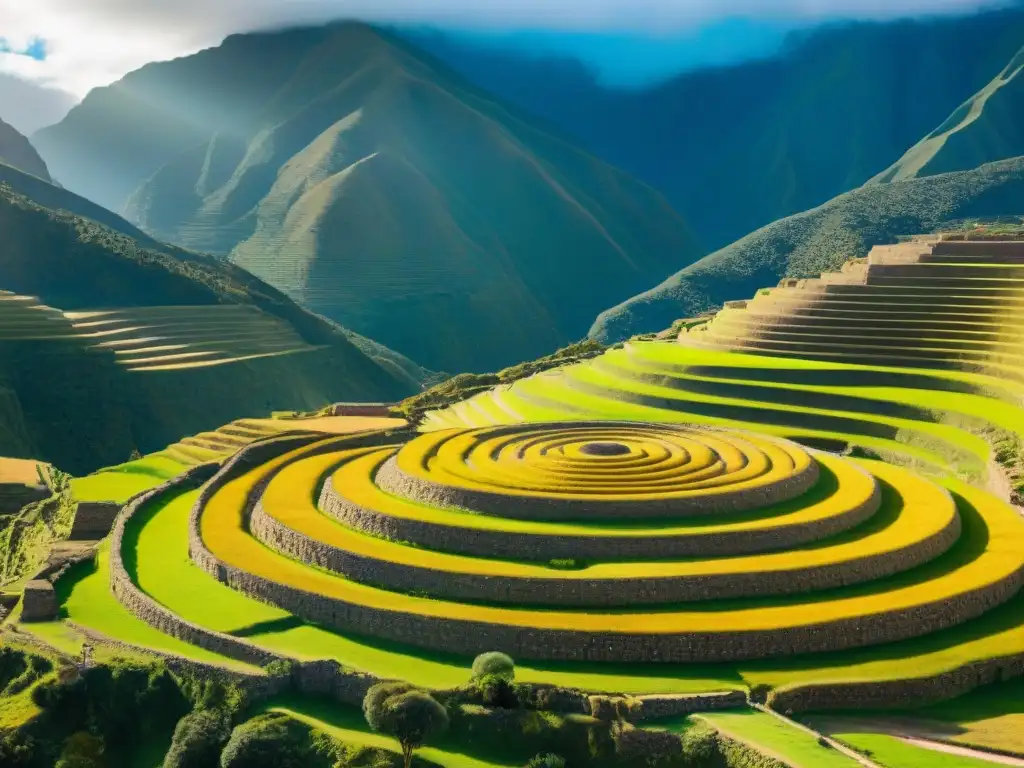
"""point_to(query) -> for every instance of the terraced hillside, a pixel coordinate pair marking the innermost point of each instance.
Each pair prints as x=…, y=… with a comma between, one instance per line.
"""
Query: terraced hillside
x=175, y=338
x=665, y=518
x=200, y=343
x=942, y=304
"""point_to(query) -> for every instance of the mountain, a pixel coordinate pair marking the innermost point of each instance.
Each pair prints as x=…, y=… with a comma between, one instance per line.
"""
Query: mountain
x=734, y=148
x=29, y=106
x=987, y=127
x=375, y=187
x=819, y=240
x=149, y=342
x=17, y=152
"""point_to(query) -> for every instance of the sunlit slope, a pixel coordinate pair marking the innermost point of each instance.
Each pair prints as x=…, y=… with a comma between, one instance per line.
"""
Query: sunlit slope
x=378, y=188
x=985, y=128
x=818, y=240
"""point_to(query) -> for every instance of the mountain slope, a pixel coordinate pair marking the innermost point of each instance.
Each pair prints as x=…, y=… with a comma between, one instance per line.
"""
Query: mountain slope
x=734, y=148
x=378, y=188
x=17, y=152
x=985, y=128
x=65, y=378
x=819, y=240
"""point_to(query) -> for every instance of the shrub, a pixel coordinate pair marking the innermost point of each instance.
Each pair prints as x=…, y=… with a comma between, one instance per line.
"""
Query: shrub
x=81, y=750
x=271, y=741
x=198, y=739
x=547, y=760
x=494, y=663
x=376, y=697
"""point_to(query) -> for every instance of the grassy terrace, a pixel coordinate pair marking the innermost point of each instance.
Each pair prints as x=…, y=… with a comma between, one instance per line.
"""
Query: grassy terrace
x=913, y=511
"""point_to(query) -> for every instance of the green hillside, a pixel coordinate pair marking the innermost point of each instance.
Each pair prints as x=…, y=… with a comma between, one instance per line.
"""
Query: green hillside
x=164, y=343
x=18, y=152
x=736, y=147
x=376, y=187
x=818, y=240
x=985, y=128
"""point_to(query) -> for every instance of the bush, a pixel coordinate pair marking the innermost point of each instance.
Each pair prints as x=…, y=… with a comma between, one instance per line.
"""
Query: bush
x=494, y=663
x=272, y=741
x=373, y=703
x=82, y=750
x=198, y=739
x=547, y=760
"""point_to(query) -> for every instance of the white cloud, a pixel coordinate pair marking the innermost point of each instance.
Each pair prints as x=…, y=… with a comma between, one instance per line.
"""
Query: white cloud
x=93, y=42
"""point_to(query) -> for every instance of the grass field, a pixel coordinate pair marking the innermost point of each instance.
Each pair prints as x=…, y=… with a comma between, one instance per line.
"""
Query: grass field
x=772, y=736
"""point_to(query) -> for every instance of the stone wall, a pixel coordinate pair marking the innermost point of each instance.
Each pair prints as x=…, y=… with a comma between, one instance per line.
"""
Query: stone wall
x=361, y=409
x=566, y=588
x=93, y=520
x=38, y=601
x=14, y=496
x=469, y=637
x=897, y=694
x=391, y=478
x=482, y=542
x=655, y=707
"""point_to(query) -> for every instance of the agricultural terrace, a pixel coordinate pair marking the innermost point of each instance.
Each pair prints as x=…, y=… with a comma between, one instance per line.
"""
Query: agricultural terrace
x=668, y=517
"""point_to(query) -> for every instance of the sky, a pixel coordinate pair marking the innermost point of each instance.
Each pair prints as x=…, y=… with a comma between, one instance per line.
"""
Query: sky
x=71, y=46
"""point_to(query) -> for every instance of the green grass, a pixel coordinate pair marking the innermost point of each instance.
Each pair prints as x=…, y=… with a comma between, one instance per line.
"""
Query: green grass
x=891, y=752
x=85, y=598
x=122, y=482
x=348, y=725
x=155, y=550
x=773, y=736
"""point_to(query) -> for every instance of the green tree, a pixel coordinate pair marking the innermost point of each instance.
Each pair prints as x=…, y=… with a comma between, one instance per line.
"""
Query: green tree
x=198, y=739
x=409, y=715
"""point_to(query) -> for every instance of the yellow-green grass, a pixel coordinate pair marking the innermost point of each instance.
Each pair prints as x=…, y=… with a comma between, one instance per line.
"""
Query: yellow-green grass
x=24, y=471
x=922, y=511
x=85, y=598
x=121, y=482
x=353, y=480
x=347, y=724
x=155, y=549
x=17, y=710
x=1000, y=558
x=774, y=737
x=892, y=752
x=662, y=464
x=548, y=398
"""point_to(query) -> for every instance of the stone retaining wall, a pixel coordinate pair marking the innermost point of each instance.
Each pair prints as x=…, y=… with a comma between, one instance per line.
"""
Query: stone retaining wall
x=391, y=478
x=469, y=637
x=514, y=545
x=655, y=707
x=93, y=520
x=896, y=694
x=38, y=601
x=14, y=496
x=149, y=610
x=568, y=589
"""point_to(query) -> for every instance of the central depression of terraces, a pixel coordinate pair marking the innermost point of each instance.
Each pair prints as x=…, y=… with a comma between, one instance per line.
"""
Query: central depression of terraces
x=607, y=541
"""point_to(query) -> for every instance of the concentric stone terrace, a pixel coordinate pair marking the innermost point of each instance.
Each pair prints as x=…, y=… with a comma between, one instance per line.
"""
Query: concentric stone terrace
x=605, y=542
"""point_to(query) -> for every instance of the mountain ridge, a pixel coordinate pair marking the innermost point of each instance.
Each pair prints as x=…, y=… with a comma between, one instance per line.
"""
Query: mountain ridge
x=378, y=188
x=17, y=151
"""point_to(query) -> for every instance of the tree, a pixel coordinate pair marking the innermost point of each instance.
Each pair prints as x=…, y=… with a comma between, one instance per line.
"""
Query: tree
x=494, y=663
x=409, y=715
